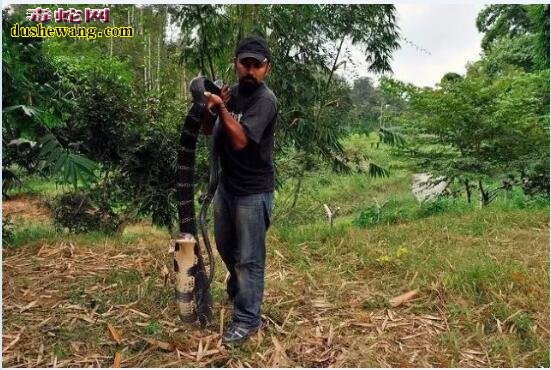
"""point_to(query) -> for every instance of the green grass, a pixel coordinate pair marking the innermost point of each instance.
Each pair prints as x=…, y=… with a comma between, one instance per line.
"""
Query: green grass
x=486, y=262
x=38, y=185
x=486, y=269
x=124, y=277
x=152, y=328
x=28, y=233
x=25, y=232
x=451, y=341
x=60, y=350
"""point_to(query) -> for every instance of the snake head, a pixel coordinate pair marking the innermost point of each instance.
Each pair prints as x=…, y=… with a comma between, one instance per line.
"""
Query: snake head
x=199, y=85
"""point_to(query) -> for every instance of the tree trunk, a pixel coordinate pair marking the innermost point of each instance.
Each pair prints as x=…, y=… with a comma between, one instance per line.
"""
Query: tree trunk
x=247, y=19
x=468, y=190
x=149, y=77
x=333, y=69
x=111, y=40
x=144, y=67
x=140, y=22
x=205, y=49
x=160, y=44
x=321, y=105
x=484, y=200
x=158, y=82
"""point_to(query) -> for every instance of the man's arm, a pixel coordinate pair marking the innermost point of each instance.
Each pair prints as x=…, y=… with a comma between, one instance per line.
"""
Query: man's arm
x=234, y=129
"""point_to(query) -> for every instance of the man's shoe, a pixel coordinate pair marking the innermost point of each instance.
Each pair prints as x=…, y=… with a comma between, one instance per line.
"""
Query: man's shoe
x=236, y=334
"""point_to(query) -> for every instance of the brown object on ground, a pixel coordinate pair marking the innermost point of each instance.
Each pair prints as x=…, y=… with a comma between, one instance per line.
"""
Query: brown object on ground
x=117, y=360
x=403, y=298
x=162, y=345
x=114, y=334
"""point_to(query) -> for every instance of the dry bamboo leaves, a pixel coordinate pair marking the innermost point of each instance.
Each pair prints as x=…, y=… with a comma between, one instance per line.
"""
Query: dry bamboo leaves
x=318, y=322
x=279, y=356
x=13, y=342
x=114, y=334
x=28, y=306
x=117, y=360
x=166, y=346
x=166, y=274
x=403, y=298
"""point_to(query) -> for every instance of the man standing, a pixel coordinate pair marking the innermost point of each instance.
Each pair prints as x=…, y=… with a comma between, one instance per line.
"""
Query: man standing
x=244, y=139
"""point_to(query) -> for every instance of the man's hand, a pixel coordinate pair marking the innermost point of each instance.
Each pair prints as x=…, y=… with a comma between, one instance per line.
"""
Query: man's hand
x=213, y=100
x=225, y=94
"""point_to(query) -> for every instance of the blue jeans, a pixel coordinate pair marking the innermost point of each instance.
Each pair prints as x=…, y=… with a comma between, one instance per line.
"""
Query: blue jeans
x=240, y=225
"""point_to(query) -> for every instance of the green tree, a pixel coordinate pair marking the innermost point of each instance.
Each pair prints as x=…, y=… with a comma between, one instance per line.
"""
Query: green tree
x=121, y=100
x=515, y=34
x=481, y=128
x=34, y=103
x=307, y=45
x=493, y=123
x=502, y=20
x=367, y=102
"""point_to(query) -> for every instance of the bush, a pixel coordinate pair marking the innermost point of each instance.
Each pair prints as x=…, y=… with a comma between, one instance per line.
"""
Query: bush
x=395, y=211
x=440, y=205
x=390, y=212
x=368, y=217
x=519, y=200
x=79, y=212
x=7, y=230
x=537, y=184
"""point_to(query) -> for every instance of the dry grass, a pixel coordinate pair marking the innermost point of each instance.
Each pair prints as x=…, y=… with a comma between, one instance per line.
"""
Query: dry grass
x=26, y=207
x=73, y=302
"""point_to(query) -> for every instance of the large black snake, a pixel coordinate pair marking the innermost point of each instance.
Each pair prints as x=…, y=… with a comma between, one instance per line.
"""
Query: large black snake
x=193, y=296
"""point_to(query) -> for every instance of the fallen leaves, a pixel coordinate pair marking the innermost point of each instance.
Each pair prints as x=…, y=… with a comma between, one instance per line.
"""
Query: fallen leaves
x=29, y=306
x=279, y=356
x=165, y=273
x=13, y=342
x=166, y=346
x=311, y=323
x=403, y=298
x=114, y=334
x=117, y=360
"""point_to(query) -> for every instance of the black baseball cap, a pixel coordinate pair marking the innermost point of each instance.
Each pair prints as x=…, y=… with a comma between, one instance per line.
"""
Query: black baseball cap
x=253, y=47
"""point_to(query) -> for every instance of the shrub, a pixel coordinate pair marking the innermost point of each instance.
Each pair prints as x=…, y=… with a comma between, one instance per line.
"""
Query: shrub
x=440, y=205
x=368, y=217
x=7, y=230
x=521, y=201
x=79, y=212
x=390, y=212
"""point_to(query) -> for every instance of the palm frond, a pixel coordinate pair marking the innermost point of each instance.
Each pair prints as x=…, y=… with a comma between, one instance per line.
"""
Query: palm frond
x=391, y=136
x=59, y=160
x=377, y=171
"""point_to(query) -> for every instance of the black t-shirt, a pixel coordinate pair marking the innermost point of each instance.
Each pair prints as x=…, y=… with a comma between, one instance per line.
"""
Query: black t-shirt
x=250, y=170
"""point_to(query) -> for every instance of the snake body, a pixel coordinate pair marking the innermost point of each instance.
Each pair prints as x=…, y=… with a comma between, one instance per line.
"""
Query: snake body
x=193, y=296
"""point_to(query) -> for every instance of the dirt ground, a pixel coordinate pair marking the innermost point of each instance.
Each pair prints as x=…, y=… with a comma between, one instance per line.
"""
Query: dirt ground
x=26, y=207
x=108, y=302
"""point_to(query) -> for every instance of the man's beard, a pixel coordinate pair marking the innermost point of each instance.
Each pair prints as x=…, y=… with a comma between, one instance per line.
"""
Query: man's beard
x=247, y=85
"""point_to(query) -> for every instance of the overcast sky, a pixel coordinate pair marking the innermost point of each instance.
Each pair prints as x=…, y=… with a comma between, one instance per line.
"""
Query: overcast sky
x=447, y=32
